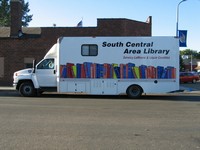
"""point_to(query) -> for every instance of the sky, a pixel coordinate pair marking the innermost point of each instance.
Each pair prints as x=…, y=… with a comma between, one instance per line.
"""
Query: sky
x=67, y=13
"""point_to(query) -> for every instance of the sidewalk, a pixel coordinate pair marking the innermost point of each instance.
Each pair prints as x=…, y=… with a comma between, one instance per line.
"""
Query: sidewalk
x=189, y=90
x=7, y=88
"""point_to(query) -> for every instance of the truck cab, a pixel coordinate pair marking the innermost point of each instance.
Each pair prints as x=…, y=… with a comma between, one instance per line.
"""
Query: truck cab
x=42, y=77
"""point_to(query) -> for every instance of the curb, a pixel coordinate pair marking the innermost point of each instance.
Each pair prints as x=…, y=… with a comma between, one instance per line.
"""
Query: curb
x=7, y=89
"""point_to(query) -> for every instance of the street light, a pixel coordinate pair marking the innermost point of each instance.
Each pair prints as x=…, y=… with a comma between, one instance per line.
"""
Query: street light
x=177, y=19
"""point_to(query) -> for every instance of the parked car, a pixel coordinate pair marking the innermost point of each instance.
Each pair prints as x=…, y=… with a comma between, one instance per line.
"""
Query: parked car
x=198, y=73
x=189, y=77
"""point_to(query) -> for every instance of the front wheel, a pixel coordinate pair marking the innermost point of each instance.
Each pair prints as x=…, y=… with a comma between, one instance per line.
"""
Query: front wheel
x=26, y=89
x=134, y=91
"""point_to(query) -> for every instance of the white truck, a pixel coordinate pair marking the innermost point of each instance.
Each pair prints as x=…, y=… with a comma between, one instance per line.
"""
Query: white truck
x=105, y=66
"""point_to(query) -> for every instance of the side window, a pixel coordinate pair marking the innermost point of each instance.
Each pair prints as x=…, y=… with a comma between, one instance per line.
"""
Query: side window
x=190, y=74
x=89, y=50
x=1, y=67
x=46, y=64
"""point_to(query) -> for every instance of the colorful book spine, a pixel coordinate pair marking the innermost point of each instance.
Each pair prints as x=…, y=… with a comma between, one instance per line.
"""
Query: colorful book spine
x=136, y=72
x=151, y=72
x=74, y=71
x=97, y=70
x=92, y=70
x=63, y=71
x=123, y=71
x=107, y=70
x=113, y=70
x=78, y=70
x=101, y=68
x=160, y=70
x=69, y=70
x=83, y=75
x=117, y=71
x=130, y=70
x=143, y=71
x=164, y=74
x=171, y=74
x=87, y=67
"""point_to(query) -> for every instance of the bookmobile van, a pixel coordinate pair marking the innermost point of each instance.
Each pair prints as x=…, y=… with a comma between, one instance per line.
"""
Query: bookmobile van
x=105, y=66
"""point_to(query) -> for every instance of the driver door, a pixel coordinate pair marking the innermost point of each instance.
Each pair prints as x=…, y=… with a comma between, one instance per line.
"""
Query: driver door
x=46, y=73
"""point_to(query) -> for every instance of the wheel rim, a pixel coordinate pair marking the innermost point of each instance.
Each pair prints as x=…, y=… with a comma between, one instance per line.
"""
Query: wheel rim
x=194, y=81
x=27, y=90
x=135, y=91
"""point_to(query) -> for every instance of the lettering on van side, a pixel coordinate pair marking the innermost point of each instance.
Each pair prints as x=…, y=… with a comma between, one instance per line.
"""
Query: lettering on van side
x=147, y=51
x=128, y=44
x=116, y=44
x=137, y=47
x=156, y=51
x=139, y=44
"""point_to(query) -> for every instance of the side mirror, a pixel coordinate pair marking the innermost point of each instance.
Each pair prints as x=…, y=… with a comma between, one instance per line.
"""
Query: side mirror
x=34, y=64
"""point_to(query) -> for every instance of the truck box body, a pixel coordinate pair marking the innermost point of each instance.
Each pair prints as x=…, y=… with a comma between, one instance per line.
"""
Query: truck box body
x=116, y=63
x=110, y=65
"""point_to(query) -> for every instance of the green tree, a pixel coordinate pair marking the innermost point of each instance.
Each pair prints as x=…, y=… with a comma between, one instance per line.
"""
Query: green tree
x=198, y=55
x=189, y=52
x=5, y=13
x=26, y=18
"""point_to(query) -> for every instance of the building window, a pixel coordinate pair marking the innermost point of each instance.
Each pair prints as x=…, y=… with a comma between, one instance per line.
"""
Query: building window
x=28, y=65
x=28, y=62
x=1, y=67
x=89, y=50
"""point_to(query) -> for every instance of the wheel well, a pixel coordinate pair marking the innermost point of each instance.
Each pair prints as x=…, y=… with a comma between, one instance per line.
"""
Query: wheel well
x=22, y=81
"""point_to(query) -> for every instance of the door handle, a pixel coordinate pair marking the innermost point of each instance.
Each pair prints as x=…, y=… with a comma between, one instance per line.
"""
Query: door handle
x=54, y=71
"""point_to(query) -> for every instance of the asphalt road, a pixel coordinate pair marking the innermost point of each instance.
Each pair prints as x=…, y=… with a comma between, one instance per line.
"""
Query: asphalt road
x=67, y=122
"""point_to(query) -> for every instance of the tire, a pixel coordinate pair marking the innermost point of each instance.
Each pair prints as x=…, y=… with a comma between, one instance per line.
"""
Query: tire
x=26, y=89
x=194, y=81
x=134, y=91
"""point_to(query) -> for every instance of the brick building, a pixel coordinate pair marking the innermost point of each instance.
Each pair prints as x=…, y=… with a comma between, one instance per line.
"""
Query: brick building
x=20, y=45
x=188, y=66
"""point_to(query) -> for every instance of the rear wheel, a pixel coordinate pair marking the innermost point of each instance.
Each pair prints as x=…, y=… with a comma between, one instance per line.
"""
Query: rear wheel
x=134, y=91
x=26, y=89
x=194, y=81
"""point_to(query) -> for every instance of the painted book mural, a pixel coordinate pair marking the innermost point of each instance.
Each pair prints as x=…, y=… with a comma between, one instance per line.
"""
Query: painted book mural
x=116, y=71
